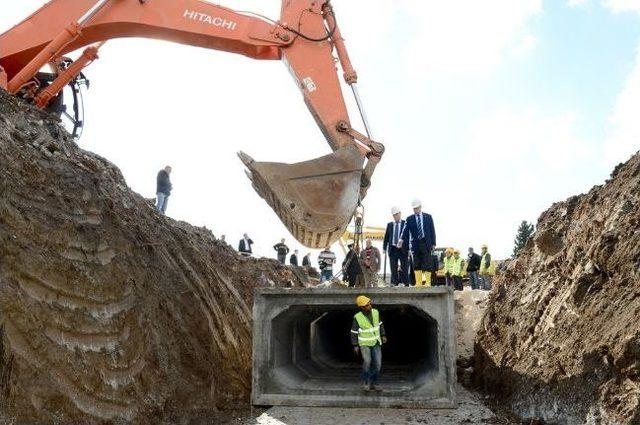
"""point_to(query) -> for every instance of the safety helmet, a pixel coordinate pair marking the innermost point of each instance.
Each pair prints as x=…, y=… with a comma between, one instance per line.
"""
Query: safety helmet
x=448, y=251
x=455, y=251
x=395, y=210
x=416, y=203
x=484, y=246
x=361, y=301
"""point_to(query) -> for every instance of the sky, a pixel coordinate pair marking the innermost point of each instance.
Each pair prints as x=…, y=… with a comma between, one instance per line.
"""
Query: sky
x=490, y=112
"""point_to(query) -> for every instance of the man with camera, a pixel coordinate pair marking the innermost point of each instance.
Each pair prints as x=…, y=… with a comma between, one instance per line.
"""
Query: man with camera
x=326, y=259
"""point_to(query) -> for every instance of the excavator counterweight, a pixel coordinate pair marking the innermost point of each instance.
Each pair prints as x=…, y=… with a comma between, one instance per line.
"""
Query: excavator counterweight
x=315, y=199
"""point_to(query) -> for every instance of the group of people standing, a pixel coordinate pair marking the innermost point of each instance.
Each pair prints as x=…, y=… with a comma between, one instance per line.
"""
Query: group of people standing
x=415, y=235
x=410, y=244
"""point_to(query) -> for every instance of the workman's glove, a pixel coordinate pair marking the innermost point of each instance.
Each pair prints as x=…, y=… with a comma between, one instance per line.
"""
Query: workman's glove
x=356, y=350
x=384, y=339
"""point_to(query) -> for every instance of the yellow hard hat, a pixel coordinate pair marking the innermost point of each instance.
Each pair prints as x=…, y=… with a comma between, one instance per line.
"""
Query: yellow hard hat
x=448, y=250
x=455, y=251
x=361, y=301
x=484, y=246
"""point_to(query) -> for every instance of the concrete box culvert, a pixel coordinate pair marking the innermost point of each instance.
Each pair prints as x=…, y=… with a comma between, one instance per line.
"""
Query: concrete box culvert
x=302, y=354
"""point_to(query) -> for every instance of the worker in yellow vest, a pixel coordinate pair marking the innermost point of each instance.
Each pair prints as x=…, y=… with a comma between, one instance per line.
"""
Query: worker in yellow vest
x=485, y=268
x=367, y=337
x=448, y=266
x=456, y=270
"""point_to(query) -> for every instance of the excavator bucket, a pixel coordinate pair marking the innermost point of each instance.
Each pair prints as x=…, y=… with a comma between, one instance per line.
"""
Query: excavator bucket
x=314, y=199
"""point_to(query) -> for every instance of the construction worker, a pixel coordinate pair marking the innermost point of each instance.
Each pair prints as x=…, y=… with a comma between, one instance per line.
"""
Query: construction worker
x=370, y=263
x=448, y=267
x=163, y=189
x=397, y=253
x=367, y=337
x=281, y=251
x=485, y=266
x=422, y=232
x=456, y=270
x=473, y=265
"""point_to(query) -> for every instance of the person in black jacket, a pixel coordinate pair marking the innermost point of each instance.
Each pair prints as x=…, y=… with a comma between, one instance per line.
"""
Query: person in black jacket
x=397, y=252
x=163, y=189
x=281, y=251
x=244, y=246
x=351, y=266
x=306, y=260
x=293, y=260
x=473, y=265
x=419, y=229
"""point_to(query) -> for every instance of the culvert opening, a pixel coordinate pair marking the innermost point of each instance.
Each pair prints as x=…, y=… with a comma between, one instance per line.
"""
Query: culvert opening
x=312, y=348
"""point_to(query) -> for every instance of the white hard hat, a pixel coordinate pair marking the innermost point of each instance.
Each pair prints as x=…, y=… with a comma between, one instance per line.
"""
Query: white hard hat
x=395, y=210
x=416, y=203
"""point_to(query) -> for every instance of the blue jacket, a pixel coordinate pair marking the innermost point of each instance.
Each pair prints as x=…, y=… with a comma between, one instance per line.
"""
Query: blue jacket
x=411, y=229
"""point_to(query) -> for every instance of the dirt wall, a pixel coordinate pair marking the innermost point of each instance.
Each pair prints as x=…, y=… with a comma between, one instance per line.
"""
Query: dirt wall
x=560, y=339
x=108, y=310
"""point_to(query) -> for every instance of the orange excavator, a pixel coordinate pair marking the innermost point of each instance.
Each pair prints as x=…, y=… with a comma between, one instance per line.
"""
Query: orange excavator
x=315, y=199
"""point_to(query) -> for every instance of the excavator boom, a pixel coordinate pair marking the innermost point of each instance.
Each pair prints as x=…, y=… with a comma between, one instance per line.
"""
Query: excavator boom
x=315, y=199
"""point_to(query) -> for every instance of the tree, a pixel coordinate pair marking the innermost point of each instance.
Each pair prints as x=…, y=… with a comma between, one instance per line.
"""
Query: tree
x=524, y=232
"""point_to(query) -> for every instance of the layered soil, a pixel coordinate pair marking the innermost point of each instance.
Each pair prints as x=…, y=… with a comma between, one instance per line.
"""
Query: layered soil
x=560, y=339
x=108, y=310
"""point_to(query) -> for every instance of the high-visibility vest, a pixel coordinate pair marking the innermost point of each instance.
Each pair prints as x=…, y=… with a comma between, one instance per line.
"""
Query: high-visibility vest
x=483, y=268
x=457, y=266
x=448, y=264
x=369, y=333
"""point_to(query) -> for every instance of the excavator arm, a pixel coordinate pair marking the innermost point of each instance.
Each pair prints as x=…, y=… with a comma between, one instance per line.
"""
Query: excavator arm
x=315, y=199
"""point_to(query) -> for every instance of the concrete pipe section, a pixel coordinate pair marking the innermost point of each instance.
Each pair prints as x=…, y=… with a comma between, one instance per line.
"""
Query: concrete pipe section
x=302, y=353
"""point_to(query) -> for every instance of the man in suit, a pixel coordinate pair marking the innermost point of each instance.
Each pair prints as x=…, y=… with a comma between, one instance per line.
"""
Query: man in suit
x=420, y=229
x=244, y=247
x=397, y=252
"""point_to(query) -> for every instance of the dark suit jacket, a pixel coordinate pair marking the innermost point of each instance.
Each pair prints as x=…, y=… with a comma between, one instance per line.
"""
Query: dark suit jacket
x=243, y=248
x=411, y=228
x=388, y=237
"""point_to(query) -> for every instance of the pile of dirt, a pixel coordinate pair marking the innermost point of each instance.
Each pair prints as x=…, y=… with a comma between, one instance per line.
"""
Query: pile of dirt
x=109, y=310
x=560, y=339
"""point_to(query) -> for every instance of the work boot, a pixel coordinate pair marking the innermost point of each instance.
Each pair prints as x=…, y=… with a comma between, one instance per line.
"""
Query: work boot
x=366, y=387
x=376, y=387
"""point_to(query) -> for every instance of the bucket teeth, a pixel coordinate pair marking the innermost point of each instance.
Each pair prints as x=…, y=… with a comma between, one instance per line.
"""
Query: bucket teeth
x=314, y=199
x=246, y=159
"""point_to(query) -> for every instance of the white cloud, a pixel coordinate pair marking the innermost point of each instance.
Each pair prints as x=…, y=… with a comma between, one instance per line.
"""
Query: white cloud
x=624, y=138
x=577, y=3
x=466, y=38
x=624, y=134
x=623, y=5
x=515, y=165
x=507, y=136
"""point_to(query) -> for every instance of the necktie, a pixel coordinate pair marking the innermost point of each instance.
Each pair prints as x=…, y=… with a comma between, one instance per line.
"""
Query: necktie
x=420, y=227
x=396, y=232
